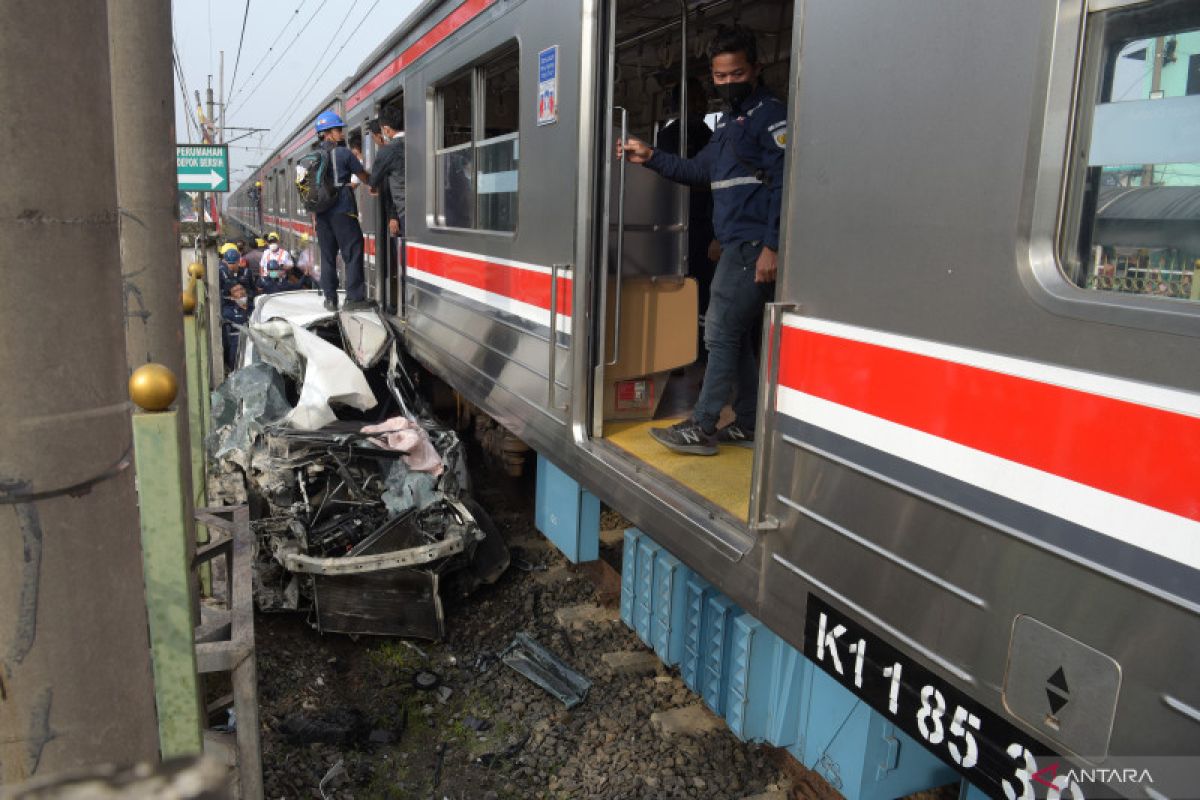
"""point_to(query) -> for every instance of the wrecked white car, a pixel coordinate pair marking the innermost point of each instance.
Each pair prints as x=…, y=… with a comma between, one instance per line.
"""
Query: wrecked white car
x=359, y=498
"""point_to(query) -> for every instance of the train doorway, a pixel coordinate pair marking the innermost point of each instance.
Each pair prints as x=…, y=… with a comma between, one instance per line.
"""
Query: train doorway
x=389, y=210
x=658, y=241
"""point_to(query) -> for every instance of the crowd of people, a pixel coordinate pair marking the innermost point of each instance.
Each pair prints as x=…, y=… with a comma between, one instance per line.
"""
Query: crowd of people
x=249, y=272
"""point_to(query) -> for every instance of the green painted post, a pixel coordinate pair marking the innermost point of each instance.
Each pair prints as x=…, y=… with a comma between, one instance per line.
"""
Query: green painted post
x=192, y=344
x=193, y=336
x=167, y=573
x=204, y=363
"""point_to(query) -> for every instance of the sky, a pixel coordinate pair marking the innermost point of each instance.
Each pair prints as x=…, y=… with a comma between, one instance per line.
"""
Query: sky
x=273, y=89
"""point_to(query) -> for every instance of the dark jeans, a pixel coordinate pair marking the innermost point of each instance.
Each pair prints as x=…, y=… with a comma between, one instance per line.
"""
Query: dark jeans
x=340, y=232
x=731, y=329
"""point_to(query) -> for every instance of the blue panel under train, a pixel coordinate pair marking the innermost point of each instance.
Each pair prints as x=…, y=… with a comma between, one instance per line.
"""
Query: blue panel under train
x=566, y=514
x=857, y=750
x=751, y=661
x=717, y=635
x=628, y=574
x=667, y=609
x=643, y=582
x=790, y=673
x=695, y=600
x=969, y=791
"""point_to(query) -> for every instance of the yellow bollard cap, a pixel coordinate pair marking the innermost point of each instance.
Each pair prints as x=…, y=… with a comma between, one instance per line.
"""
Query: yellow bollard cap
x=196, y=270
x=189, y=302
x=153, y=387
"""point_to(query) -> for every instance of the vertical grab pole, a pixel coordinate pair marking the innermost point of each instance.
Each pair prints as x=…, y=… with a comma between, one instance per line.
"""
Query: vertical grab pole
x=620, y=240
x=685, y=206
x=552, y=367
x=601, y=272
x=765, y=433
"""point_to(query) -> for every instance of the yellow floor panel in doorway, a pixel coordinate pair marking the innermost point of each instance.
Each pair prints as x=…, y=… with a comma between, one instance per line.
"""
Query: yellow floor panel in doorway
x=723, y=479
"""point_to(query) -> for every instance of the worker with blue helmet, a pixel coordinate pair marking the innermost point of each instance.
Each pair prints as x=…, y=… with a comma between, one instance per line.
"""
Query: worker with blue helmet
x=234, y=270
x=338, y=229
x=328, y=120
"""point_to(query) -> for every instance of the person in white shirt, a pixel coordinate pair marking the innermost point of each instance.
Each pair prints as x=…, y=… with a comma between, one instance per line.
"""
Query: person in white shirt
x=274, y=265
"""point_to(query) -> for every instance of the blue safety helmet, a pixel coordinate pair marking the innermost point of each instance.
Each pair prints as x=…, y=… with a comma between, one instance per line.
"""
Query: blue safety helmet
x=327, y=120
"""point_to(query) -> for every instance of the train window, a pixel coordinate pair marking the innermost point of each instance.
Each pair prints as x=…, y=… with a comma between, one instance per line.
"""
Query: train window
x=455, y=166
x=1137, y=194
x=499, y=151
x=479, y=146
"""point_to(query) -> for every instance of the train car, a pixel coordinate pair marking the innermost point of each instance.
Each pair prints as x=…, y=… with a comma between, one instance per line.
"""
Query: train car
x=974, y=495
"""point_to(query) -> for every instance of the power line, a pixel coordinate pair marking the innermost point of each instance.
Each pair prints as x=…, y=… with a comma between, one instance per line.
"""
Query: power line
x=241, y=38
x=304, y=84
x=271, y=48
x=189, y=114
x=280, y=59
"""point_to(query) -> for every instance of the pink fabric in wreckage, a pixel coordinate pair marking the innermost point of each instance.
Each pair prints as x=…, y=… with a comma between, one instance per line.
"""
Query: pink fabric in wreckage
x=406, y=436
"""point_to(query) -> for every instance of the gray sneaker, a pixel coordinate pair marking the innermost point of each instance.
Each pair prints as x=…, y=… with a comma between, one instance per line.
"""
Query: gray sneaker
x=735, y=435
x=686, y=437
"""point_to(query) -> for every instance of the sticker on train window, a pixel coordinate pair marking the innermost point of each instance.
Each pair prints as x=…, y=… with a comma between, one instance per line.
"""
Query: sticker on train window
x=547, y=100
x=1137, y=198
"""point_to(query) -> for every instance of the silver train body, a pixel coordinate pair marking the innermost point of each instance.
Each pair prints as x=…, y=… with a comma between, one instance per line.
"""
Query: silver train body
x=990, y=466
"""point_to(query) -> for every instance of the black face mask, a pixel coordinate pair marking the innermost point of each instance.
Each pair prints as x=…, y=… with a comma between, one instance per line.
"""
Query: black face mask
x=732, y=95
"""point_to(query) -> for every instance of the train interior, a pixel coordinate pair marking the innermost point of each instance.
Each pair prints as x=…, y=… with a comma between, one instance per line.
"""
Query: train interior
x=660, y=243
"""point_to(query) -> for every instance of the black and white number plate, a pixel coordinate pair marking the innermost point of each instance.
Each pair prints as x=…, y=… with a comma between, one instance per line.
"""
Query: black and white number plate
x=988, y=751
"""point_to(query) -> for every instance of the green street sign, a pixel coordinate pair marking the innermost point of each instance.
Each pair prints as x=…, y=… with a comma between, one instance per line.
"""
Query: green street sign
x=202, y=167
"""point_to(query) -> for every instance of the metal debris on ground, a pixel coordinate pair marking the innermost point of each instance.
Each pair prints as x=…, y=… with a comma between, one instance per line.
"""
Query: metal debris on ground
x=545, y=669
x=362, y=511
x=336, y=772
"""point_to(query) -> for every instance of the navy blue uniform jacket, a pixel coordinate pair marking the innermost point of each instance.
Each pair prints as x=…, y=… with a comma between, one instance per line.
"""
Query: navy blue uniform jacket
x=745, y=209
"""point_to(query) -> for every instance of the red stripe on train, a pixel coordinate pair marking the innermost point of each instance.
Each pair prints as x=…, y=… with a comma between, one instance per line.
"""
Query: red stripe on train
x=292, y=225
x=434, y=36
x=524, y=285
x=1145, y=454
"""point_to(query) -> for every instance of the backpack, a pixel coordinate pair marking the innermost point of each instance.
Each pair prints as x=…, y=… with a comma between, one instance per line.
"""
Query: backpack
x=316, y=182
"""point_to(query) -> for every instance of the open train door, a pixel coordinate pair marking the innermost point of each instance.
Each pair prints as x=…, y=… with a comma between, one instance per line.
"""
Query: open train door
x=645, y=298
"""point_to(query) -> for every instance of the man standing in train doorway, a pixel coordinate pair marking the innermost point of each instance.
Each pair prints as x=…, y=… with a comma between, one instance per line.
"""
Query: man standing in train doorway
x=390, y=167
x=337, y=227
x=743, y=165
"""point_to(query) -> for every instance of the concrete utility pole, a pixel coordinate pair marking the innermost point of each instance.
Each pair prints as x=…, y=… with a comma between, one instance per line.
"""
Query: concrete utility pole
x=75, y=676
x=144, y=132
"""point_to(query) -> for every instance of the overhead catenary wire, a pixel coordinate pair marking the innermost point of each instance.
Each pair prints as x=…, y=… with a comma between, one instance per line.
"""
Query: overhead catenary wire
x=304, y=84
x=278, y=60
x=271, y=48
x=241, y=38
x=189, y=114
